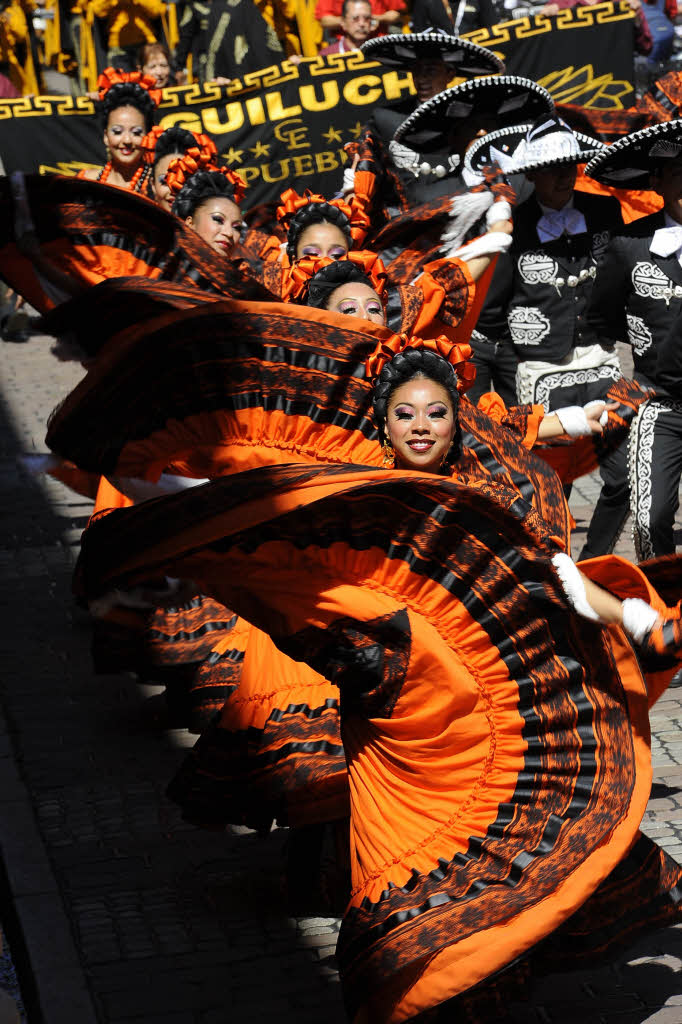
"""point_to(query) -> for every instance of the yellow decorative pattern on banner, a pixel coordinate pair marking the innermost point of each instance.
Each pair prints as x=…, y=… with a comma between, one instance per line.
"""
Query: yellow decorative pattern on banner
x=569, y=18
x=71, y=167
x=579, y=85
x=39, y=106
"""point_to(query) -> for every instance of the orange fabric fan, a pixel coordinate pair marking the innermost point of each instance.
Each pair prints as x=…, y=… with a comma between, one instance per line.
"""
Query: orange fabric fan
x=89, y=234
x=216, y=389
x=479, y=715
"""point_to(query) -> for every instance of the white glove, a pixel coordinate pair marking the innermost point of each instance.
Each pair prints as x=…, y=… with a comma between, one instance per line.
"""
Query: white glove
x=573, y=420
x=639, y=618
x=486, y=245
x=573, y=585
x=348, y=181
x=500, y=210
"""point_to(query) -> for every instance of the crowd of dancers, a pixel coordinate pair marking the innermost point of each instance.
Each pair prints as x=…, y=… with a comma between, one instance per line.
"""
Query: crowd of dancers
x=345, y=554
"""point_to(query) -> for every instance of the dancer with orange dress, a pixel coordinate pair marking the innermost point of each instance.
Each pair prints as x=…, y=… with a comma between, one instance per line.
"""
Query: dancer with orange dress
x=127, y=102
x=485, y=687
x=163, y=145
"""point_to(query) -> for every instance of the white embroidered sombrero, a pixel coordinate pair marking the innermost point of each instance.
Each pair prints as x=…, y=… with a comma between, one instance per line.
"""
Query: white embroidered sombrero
x=510, y=99
x=400, y=50
x=520, y=148
x=629, y=162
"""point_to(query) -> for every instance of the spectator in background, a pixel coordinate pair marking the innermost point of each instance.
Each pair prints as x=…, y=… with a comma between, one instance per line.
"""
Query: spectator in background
x=153, y=59
x=357, y=25
x=384, y=12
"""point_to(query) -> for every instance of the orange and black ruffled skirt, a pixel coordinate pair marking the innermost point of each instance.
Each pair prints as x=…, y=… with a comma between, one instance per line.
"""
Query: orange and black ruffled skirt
x=497, y=745
x=274, y=750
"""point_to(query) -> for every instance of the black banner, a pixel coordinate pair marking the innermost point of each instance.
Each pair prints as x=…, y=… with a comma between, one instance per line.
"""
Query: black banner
x=582, y=55
x=286, y=125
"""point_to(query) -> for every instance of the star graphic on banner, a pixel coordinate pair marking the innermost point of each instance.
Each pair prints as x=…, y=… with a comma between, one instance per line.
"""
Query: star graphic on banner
x=261, y=149
x=234, y=156
x=355, y=130
x=332, y=135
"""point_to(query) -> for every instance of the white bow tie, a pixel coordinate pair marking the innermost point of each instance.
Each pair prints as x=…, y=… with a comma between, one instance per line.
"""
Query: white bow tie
x=667, y=241
x=554, y=223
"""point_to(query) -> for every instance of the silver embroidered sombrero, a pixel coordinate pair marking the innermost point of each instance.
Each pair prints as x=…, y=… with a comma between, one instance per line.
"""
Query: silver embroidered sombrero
x=520, y=148
x=400, y=50
x=510, y=99
x=629, y=162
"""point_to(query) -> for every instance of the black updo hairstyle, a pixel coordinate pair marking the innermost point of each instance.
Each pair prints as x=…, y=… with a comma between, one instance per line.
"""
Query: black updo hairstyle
x=128, y=94
x=174, y=140
x=404, y=367
x=198, y=189
x=324, y=283
x=315, y=213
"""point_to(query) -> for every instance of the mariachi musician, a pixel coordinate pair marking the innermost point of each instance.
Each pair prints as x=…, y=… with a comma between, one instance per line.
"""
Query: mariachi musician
x=637, y=298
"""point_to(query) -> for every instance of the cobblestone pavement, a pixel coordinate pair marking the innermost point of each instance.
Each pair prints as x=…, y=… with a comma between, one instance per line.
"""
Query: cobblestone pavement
x=116, y=910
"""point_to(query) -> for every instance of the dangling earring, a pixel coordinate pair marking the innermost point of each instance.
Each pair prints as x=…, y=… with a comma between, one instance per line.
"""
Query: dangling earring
x=446, y=458
x=389, y=455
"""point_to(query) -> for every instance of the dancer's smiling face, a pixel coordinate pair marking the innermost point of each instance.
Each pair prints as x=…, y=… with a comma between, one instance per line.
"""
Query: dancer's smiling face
x=123, y=136
x=420, y=424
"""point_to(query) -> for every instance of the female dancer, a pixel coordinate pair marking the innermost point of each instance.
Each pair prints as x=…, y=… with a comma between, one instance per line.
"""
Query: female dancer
x=127, y=104
x=483, y=701
x=162, y=146
x=208, y=202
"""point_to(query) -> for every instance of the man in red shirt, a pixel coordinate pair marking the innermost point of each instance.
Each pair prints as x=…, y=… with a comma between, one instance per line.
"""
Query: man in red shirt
x=384, y=13
x=357, y=25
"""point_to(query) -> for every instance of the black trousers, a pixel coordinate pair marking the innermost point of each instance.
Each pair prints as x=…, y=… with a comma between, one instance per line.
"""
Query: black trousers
x=655, y=470
x=495, y=363
x=613, y=505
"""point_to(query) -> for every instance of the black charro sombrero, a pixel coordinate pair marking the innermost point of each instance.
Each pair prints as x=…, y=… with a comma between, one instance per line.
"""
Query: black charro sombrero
x=629, y=162
x=509, y=98
x=521, y=148
x=400, y=50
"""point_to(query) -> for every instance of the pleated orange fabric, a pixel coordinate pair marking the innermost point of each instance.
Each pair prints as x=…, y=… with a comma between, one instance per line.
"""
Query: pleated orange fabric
x=92, y=232
x=275, y=752
x=497, y=746
x=236, y=385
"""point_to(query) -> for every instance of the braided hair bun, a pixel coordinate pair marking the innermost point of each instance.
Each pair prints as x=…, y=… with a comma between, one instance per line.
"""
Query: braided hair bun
x=175, y=140
x=315, y=213
x=128, y=94
x=199, y=188
x=324, y=283
x=406, y=366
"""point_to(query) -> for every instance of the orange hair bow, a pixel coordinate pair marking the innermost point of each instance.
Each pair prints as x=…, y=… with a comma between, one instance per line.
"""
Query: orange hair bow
x=110, y=77
x=183, y=167
x=297, y=278
x=455, y=354
x=204, y=152
x=292, y=203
